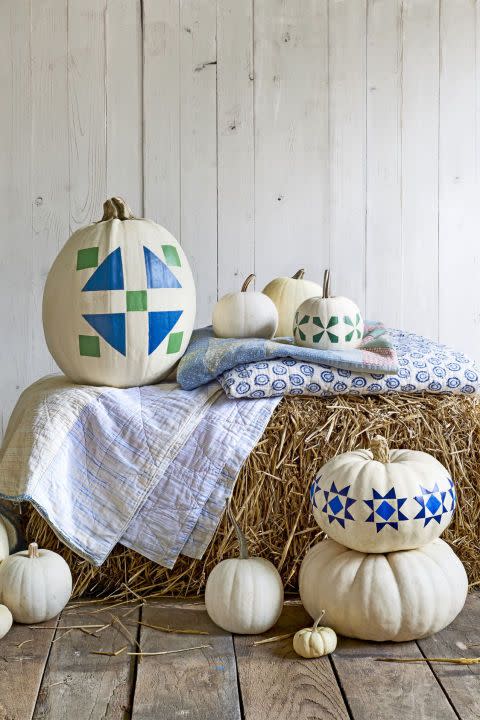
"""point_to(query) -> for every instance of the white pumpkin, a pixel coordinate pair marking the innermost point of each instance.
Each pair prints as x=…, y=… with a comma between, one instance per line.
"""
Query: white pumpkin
x=35, y=584
x=287, y=294
x=4, y=544
x=328, y=323
x=380, y=500
x=119, y=301
x=399, y=596
x=245, y=314
x=316, y=641
x=6, y=620
x=244, y=595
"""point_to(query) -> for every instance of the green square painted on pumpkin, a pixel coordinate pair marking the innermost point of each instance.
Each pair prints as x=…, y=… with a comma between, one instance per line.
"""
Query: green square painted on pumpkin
x=89, y=345
x=87, y=258
x=136, y=300
x=174, y=342
x=171, y=255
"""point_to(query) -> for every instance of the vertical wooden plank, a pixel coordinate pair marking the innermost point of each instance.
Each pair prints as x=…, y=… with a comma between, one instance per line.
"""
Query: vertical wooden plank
x=198, y=136
x=276, y=683
x=460, y=639
x=16, y=269
x=78, y=684
x=378, y=690
x=420, y=97
x=384, y=296
x=87, y=110
x=236, y=234
x=291, y=138
x=198, y=684
x=50, y=169
x=124, y=102
x=347, y=121
x=161, y=112
x=459, y=185
x=23, y=656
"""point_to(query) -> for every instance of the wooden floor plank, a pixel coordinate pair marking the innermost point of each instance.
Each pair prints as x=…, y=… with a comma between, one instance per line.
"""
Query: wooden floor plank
x=200, y=684
x=21, y=669
x=276, y=683
x=460, y=639
x=78, y=685
x=397, y=691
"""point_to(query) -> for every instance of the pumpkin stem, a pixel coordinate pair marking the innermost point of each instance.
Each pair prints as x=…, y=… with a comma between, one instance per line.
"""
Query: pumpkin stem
x=379, y=449
x=247, y=283
x=315, y=624
x=33, y=550
x=326, y=284
x=299, y=275
x=116, y=208
x=242, y=540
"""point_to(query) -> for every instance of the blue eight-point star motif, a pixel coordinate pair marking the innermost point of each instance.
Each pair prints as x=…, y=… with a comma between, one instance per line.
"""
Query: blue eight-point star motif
x=434, y=503
x=385, y=509
x=337, y=503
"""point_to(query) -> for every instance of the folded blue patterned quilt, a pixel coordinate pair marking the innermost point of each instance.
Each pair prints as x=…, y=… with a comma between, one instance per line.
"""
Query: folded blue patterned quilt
x=424, y=366
x=208, y=357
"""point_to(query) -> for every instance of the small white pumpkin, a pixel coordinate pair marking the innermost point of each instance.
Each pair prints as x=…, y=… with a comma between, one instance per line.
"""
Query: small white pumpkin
x=4, y=544
x=245, y=314
x=315, y=642
x=381, y=500
x=287, y=294
x=328, y=323
x=35, y=584
x=244, y=595
x=6, y=620
x=399, y=596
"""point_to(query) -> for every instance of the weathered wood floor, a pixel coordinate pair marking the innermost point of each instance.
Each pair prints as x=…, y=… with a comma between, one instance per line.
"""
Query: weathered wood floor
x=52, y=673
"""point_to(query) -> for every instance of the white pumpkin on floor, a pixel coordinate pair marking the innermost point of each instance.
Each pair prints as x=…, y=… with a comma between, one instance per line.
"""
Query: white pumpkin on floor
x=244, y=595
x=4, y=544
x=316, y=641
x=35, y=584
x=328, y=323
x=380, y=500
x=288, y=293
x=6, y=620
x=245, y=314
x=398, y=596
x=119, y=301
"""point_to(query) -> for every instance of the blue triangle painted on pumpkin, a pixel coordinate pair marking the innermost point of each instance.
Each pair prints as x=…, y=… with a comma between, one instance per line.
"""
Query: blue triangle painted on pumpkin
x=344, y=491
x=158, y=274
x=108, y=275
x=111, y=326
x=159, y=325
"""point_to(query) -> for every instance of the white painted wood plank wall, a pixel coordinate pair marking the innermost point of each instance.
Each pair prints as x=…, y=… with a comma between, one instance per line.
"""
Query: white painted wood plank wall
x=267, y=135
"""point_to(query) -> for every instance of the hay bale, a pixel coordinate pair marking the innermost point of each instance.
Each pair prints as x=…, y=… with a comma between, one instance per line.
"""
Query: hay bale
x=271, y=494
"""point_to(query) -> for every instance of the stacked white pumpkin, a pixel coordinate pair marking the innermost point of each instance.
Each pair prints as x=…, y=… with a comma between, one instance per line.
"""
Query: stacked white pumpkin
x=35, y=585
x=383, y=573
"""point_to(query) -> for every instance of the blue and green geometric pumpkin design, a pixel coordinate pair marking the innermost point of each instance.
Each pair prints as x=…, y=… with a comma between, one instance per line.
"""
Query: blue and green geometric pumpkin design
x=385, y=509
x=332, y=323
x=112, y=326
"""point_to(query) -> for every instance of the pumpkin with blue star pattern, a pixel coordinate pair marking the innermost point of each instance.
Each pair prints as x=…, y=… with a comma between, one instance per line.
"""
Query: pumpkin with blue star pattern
x=380, y=500
x=328, y=323
x=119, y=301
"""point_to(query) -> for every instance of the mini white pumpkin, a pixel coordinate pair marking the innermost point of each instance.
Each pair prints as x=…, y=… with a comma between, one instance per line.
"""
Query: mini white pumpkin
x=4, y=544
x=328, y=323
x=381, y=500
x=245, y=314
x=35, y=584
x=399, y=596
x=287, y=294
x=244, y=595
x=6, y=620
x=314, y=642
x=119, y=301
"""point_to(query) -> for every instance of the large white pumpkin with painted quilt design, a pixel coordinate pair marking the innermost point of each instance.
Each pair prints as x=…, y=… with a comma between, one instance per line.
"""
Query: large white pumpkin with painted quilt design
x=381, y=500
x=119, y=301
